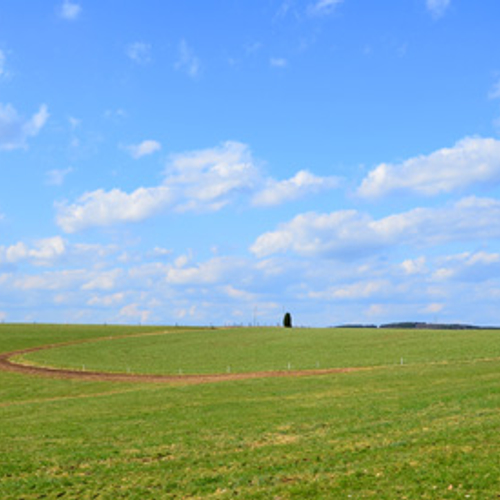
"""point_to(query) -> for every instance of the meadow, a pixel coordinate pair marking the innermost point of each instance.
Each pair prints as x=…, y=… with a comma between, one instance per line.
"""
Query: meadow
x=425, y=428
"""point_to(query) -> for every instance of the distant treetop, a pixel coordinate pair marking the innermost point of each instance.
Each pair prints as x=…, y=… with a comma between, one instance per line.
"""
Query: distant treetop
x=287, y=320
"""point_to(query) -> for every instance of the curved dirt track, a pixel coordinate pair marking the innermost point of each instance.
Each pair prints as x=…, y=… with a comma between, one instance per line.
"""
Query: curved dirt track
x=7, y=364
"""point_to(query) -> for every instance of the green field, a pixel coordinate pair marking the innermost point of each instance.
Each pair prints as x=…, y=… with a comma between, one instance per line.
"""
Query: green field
x=263, y=349
x=426, y=429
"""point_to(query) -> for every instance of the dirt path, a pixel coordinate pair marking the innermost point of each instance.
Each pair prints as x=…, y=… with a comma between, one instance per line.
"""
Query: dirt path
x=7, y=364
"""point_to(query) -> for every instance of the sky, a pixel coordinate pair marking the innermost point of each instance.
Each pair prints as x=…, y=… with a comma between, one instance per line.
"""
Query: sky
x=223, y=162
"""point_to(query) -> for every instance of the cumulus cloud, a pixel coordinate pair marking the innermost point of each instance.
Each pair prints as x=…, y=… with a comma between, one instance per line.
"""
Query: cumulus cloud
x=301, y=184
x=139, y=52
x=433, y=308
x=314, y=234
x=437, y=8
x=323, y=7
x=198, y=181
x=349, y=234
x=104, y=208
x=210, y=272
x=70, y=10
x=106, y=300
x=204, y=180
x=353, y=291
x=134, y=312
x=103, y=280
x=468, y=266
x=471, y=161
x=208, y=179
x=187, y=60
x=42, y=252
x=15, y=130
x=414, y=266
x=238, y=294
x=144, y=148
x=48, y=281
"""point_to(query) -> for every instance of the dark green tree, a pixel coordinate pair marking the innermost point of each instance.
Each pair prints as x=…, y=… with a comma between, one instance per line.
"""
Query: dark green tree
x=287, y=320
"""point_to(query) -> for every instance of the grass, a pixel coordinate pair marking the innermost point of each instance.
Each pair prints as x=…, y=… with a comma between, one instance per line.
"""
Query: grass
x=261, y=349
x=422, y=430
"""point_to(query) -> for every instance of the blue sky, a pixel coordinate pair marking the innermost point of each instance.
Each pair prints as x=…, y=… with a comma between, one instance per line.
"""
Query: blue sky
x=224, y=162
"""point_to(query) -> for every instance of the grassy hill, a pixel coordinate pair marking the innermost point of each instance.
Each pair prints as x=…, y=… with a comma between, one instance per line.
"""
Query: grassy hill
x=168, y=351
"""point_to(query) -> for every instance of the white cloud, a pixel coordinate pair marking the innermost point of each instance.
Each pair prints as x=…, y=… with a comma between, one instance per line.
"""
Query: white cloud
x=49, y=281
x=238, y=294
x=139, y=52
x=43, y=252
x=3, y=316
x=116, y=115
x=207, y=180
x=301, y=184
x=414, y=266
x=74, y=122
x=161, y=252
x=190, y=312
x=437, y=7
x=70, y=10
x=182, y=260
x=14, y=130
x=106, y=300
x=353, y=291
x=323, y=7
x=48, y=249
x=278, y=62
x=187, y=60
x=349, y=234
x=433, y=308
x=198, y=181
x=315, y=234
x=14, y=253
x=56, y=177
x=376, y=310
x=209, y=272
x=133, y=311
x=105, y=280
x=469, y=266
x=104, y=208
x=204, y=180
x=471, y=161
x=144, y=148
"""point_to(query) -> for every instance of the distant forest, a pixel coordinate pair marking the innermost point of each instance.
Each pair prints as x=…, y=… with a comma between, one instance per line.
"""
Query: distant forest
x=418, y=325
